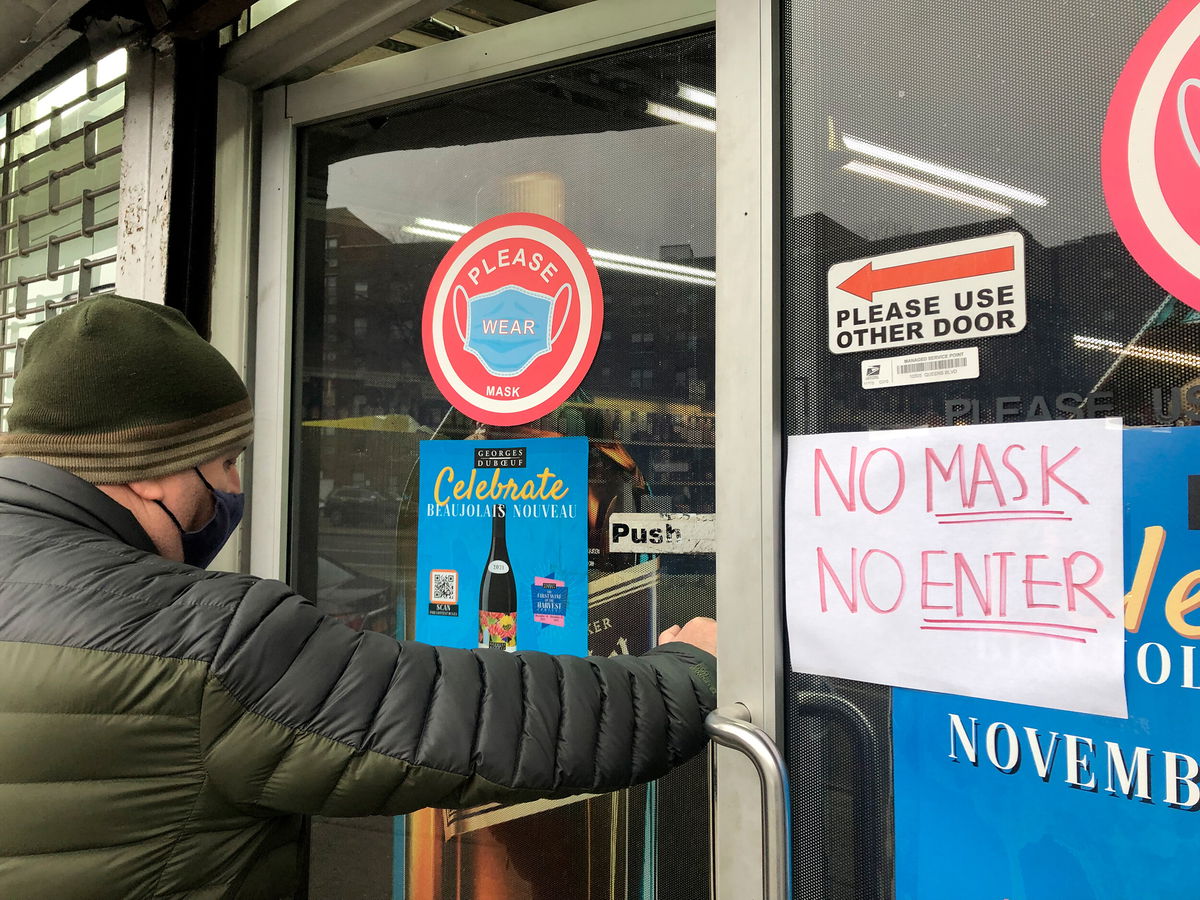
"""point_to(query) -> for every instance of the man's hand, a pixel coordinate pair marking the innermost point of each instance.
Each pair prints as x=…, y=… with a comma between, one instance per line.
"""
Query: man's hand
x=699, y=632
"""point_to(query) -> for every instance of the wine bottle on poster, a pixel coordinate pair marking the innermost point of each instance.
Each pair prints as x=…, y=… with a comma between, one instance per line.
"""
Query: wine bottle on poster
x=498, y=591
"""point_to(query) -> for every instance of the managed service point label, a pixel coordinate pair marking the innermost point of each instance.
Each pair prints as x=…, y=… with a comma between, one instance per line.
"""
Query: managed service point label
x=946, y=292
x=921, y=368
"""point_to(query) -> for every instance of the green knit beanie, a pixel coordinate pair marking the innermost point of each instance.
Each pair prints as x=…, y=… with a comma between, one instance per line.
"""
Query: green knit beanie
x=118, y=390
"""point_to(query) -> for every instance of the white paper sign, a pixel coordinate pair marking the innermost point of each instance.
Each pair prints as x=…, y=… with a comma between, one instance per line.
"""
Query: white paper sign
x=983, y=560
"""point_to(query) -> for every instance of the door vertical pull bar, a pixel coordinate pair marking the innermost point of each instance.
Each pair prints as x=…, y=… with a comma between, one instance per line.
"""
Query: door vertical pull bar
x=730, y=726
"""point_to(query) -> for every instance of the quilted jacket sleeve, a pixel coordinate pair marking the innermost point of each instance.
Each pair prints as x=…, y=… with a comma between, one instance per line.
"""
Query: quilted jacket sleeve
x=302, y=714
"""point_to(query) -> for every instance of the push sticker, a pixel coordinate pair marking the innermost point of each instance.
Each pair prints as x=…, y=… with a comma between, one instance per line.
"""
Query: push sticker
x=512, y=319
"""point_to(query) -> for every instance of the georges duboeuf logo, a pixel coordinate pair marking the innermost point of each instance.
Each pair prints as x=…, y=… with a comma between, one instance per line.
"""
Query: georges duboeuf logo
x=512, y=319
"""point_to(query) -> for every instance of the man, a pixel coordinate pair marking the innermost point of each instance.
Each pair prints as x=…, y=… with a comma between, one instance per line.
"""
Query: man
x=162, y=728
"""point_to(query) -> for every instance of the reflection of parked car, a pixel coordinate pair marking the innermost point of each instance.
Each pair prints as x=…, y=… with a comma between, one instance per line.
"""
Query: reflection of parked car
x=360, y=506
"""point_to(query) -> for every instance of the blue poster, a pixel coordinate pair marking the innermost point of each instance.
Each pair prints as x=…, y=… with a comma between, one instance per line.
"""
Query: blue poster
x=997, y=801
x=502, y=545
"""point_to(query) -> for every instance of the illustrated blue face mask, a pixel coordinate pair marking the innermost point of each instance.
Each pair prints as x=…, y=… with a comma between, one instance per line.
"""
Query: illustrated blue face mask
x=508, y=329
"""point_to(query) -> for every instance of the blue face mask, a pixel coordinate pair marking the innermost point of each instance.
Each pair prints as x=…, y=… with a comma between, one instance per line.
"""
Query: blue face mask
x=508, y=329
x=200, y=547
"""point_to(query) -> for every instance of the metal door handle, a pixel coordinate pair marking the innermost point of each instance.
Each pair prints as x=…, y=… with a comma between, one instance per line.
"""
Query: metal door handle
x=730, y=726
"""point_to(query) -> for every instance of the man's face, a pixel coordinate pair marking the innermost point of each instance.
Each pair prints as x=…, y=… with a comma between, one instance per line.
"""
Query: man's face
x=187, y=497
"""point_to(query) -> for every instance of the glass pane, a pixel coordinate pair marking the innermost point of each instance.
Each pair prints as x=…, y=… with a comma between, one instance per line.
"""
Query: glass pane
x=928, y=122
x=614, y=150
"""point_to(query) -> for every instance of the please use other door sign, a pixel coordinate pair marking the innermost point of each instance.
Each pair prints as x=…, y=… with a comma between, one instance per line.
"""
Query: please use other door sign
x=962, y=290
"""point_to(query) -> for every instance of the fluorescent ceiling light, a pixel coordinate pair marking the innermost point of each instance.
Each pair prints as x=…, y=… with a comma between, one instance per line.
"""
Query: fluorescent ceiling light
x=656, y=273
x=458, y=22
x=928, y=187
x=671, y=114
x=442, y=226
x=431, y=232
x=604, y=259
x=911, y=162
x=693, y=94
x=643, y=262
x=1155, y=354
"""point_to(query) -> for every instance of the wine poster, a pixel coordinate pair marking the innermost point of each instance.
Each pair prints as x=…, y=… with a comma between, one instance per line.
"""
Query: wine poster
x=502, y=545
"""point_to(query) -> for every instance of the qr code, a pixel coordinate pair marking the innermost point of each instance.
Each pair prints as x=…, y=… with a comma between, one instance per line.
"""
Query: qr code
x=443, y=586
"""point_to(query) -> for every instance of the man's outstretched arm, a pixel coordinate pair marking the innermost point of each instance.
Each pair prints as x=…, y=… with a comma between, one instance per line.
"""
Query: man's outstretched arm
x=302, y=714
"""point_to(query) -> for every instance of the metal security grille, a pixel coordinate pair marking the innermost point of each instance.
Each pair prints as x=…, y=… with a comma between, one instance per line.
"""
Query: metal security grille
x=60, y=178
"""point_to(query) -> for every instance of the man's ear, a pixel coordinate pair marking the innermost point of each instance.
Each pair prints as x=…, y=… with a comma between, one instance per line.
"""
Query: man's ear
x=149, y=490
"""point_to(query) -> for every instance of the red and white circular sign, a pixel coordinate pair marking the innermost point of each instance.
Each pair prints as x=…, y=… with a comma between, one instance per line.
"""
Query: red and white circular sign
x=512, y=319
x=1150, y=155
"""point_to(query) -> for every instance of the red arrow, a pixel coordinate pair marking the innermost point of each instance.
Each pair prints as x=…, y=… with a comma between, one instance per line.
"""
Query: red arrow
x=868, y=280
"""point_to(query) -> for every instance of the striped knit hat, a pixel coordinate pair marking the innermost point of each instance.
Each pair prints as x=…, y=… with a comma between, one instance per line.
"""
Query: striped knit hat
x=117, y=390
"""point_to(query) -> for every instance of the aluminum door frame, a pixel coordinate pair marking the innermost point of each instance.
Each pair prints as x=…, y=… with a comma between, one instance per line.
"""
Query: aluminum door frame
x=748, y=437
x=749, y=451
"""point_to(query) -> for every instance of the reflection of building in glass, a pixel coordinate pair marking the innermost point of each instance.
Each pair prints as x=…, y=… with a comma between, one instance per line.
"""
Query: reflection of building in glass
x=363, y=340
x=1102, y=339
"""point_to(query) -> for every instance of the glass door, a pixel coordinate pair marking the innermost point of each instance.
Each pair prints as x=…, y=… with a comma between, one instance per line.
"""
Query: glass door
x=618, y=148
x=928, y=123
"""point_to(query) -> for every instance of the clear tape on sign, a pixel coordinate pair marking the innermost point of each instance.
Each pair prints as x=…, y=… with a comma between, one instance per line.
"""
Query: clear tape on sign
x=460, y=293
x=565, y=289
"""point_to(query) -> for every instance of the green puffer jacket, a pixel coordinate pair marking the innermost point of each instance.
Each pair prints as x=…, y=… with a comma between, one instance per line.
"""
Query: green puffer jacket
x=162, y=727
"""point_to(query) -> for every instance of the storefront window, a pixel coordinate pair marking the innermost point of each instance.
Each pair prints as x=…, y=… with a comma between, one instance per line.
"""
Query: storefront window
x=920, y=125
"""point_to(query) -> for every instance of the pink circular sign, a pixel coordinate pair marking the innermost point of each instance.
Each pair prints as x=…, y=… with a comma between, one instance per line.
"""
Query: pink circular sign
x=1150, y=154
x=512, y=319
